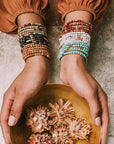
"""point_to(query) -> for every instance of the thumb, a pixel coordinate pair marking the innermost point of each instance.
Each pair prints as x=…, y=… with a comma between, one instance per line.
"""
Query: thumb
x=16, y=110
x=95, y=109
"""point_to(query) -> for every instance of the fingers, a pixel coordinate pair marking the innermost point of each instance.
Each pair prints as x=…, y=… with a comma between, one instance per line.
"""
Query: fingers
x=5, y=131
x=91, y=95
x=105, y=115
x=5, y=110
x=16, y=110
x=10, y=112
x=95, y=108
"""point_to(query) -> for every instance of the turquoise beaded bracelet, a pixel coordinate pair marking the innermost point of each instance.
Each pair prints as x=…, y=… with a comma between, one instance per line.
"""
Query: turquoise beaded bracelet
x=76, y=48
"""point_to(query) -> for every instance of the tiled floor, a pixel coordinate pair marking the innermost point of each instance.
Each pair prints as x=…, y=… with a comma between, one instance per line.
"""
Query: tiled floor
x=100, y=64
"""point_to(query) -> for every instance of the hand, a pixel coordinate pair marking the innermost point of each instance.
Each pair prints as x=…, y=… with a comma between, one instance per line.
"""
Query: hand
x=26, y=85
x=74, y=73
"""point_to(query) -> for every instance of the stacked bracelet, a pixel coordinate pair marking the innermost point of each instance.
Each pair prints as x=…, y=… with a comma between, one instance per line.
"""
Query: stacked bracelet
x=35, y=49
x=75, y=39
x=33, y=40
x=74, y=48
x=77, y=26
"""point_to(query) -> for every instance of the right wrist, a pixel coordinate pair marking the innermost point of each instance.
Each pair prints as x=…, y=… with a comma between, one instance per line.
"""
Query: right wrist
x=72, y=62
x=73, y=58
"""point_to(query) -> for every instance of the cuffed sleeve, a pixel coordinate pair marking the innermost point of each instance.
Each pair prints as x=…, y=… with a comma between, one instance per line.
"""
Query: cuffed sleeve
x=96, y=7
x=11, y=9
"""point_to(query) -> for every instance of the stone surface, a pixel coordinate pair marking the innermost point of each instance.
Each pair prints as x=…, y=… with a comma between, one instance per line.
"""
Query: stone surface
x=100, y=64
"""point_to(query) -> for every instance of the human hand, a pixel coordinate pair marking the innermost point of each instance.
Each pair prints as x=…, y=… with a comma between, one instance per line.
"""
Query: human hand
x=25, y=86
x=74, y=73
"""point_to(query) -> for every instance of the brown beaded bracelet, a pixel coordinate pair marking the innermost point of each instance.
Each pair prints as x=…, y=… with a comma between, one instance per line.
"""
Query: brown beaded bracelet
x=77, y=26
x=35, y=49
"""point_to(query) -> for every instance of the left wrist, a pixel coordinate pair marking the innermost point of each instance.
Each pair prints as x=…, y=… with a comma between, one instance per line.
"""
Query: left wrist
x=37, y=62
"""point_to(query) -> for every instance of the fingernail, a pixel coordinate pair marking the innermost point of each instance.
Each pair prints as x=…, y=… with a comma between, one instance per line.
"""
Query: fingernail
x=11, y=120
x=98, y=121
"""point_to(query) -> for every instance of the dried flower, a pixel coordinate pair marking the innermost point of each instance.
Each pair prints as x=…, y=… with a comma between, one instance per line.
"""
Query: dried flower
x=58, y=126
x=61, y=112
x=38, y=138
x=38, y=118
x=79, y=129
x=61, y=135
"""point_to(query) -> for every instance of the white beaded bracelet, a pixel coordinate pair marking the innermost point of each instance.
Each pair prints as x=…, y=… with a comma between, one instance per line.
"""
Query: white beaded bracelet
x=75, y=37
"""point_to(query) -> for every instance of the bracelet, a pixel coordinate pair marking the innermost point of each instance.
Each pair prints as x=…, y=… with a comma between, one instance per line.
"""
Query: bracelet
x=75, y=44
x=75, y=26
x=72, y=52
x=34, y=26
x=30, y=30
x=80, y=47
x=75, y=39
x=35, y=49
x=39, y=46
x=33, y=40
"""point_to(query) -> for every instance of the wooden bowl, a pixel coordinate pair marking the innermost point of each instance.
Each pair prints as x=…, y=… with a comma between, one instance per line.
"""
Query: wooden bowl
x=51, y=93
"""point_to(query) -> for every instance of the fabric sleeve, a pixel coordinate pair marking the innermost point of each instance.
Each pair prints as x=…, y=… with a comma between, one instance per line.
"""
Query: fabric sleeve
x=11, y=9
x=96, y=7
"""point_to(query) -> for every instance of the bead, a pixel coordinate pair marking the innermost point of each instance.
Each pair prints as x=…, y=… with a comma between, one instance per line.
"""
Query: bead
x=33, y=40
x=75, y=38
x=32, y=50
x=75, y=26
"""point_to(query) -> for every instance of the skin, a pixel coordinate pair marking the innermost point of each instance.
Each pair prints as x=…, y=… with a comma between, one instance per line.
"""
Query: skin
x=26, y=85
x=73, y=72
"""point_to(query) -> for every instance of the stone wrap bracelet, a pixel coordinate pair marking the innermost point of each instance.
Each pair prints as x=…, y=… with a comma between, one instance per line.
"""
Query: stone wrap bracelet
x=33, y=40
x=71, y=47
x=75, y=39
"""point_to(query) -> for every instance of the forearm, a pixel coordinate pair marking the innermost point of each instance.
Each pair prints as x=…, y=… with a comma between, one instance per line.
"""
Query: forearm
x=27, y=18
x=78, y=15
x=73, y=71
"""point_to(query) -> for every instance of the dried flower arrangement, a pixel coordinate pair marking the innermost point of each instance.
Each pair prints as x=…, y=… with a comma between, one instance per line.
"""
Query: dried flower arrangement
x=57, y=125
x=37, y=119
x=38, y=138
x=62, y=112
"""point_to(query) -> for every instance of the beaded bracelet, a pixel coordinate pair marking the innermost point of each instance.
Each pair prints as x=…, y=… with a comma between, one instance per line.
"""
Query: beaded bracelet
x=29, y=30
x=38, y=46
x=71, y=47
x=30, y=25
x=75, y=39
x=29, y=51
x=79, y=25
x=33, y=40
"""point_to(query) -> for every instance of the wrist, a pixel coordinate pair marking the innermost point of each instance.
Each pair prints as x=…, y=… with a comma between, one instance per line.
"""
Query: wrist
x=74, y=58
x=36, y=59
x=37, y=62
x=78, y=15
x=72, y=63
